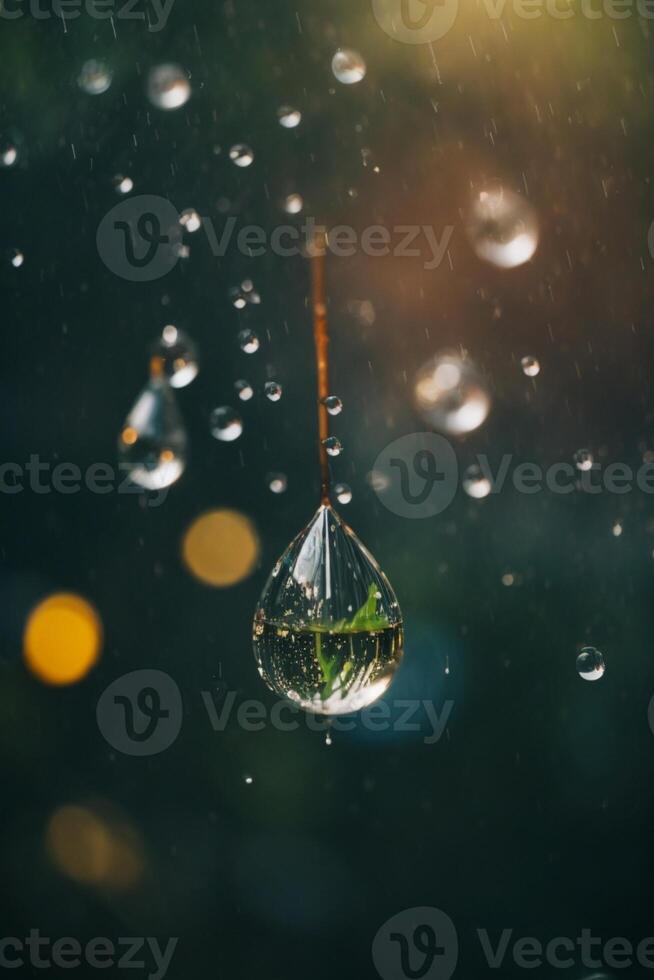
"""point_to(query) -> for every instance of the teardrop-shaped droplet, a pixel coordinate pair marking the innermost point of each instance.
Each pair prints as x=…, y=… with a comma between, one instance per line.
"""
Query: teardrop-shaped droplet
x=176, y=355
x=328, y=631
x=153, y=442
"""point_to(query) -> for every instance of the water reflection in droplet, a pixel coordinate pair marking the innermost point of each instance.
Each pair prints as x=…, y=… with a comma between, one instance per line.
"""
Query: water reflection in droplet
x=168, y=86
x=503, y=228
x=273, y=391
x=530, y=367
x=241, y=155
x=95, y=77
x=152, y=444
x=450, y=395
x=289, y=117
x=343, y=493
x=333, y=446
x=333, y=404
x=248, y=341
x=177, y=356
x=226, y=424
x=590, y=664
x=244, y=390
x=348, y=66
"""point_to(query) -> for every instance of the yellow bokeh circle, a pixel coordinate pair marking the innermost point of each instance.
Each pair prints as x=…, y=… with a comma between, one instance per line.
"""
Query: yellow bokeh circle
x=62, y=639
x=94, y=848
x=221, y=548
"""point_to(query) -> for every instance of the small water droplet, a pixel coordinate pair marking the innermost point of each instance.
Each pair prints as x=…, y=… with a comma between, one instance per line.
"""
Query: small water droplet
x=333, y=404
x=273, y=391
x=176, y=355
x=590, y=664
x=348, y=66
x=241, y=155
x=293, y=203
x=95, y=77
x=248, y=341
x=451, y=396
x=168, y=86
x=123, y=185
x=343, y=493
x=530, y=366
x=16, y=258
x=475, y=483
x=248, y=780
x=328, y=739
x=244, y=295
x=190, y=220
x=8, y=151
x=289, y=117
x=226, y=424
x=584, y=460
x=277, y=482
x=244, y=390
x=503, y=228
x=333, y=446
x=617, y=529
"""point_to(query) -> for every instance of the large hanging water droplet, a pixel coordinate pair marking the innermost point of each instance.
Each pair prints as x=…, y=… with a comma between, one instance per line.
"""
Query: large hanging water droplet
x=503, y=228
x=226, y=424
x=590, y=664
x=153, y=442
x=327, y=632
x=348, y=66
x=168, y=87
x=176, y=355
x=451, y=396
x=95, y=77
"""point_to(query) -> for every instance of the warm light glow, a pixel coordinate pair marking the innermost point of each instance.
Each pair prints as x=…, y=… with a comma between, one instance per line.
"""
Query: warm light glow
x=221, y=548
x=130, y=436
x=62, y=639
x=94, y=848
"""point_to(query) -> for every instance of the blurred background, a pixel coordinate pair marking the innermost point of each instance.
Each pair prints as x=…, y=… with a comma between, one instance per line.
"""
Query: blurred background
x=269, y=851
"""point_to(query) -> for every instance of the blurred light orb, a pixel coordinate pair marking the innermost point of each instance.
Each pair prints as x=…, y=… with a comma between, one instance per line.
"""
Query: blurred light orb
x=343, y=493
x=348, y=66
x=17, y=258
x=176, y=356
x=530, y=367
x=584, y=460
x=94, y=848
x=95, y=77
x=241, y=155
x=590, y=664
x=503, y=228
x=244, y=390
x=475, y=483
x=451, y=396
x=289, y=117
x=226, y=424
x=190, y=220
x=277, y=482
x=168, y=86
x=8, y=152
x=123, y=185
x=293, y=203
x=221, y=548
x=62, y=639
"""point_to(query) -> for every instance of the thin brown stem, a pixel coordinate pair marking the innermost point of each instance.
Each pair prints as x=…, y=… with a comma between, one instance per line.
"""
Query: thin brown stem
x=321, y=338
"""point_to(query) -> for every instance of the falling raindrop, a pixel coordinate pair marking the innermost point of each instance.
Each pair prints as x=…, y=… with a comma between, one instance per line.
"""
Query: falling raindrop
x=289, y=117
x=503, y=228
x=226, y=424
x=153, y=443
x=348, y=66
x=123, y=185
x=530, y=366
x=95, y=77
x=248, y=341
x=475, y=483
x=343, y=493
x=190, y=220
x=584, y=460
x=333, y=404
x=277, y=482
x=168, y=86
x=244, y=390
x=451, y=396
x=590, y=664
x=293, y=203
x=241, y=155
x=273, y=391
x=177, y=356
x=333, y=446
